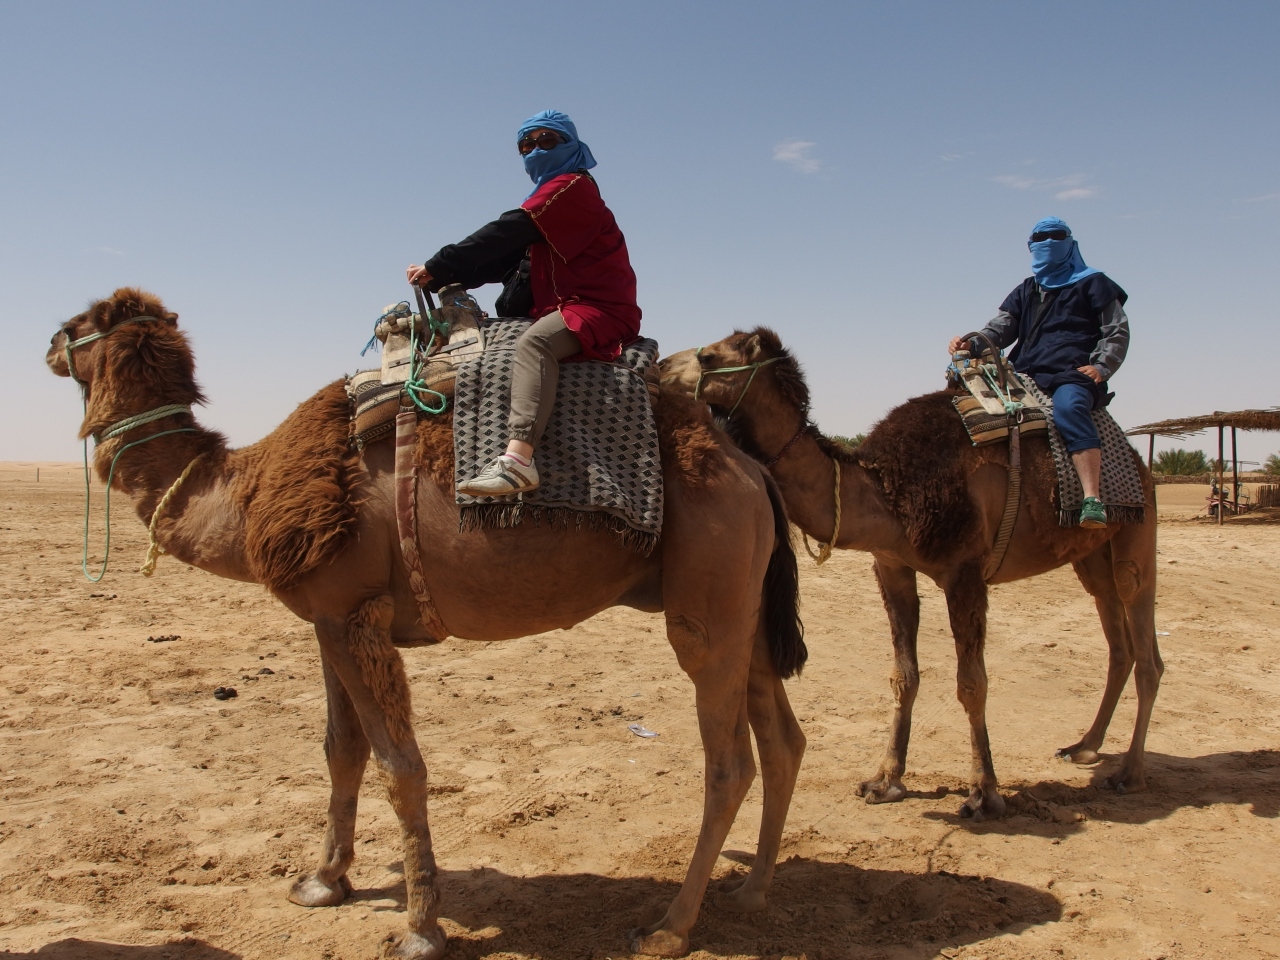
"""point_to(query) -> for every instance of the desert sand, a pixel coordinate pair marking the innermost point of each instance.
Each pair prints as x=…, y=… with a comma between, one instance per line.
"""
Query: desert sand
x=142, y=819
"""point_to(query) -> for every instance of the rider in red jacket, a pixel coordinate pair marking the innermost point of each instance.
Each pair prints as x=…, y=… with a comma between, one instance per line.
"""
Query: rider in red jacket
x=563, y=261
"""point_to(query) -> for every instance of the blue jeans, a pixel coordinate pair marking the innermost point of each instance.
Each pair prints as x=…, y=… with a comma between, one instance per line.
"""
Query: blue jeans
x=1072, y=409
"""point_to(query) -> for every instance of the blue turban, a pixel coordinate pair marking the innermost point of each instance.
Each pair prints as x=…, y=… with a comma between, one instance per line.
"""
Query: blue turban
x=1057, y=263
x=573, y=154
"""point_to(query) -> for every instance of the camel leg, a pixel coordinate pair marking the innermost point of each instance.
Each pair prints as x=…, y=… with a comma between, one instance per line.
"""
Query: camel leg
x=360, y=653
x=346, y=749
x=1134, y=566
x=781, y=743
x=902, y=604
x=720, y=678
x=967, y=605
x=1095, y=572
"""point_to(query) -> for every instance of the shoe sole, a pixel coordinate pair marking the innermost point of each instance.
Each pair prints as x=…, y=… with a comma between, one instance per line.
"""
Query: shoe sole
x=1093, y=524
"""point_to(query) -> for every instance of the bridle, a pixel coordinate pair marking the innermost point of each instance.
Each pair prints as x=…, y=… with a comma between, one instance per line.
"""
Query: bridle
x=117, y=429
x=703, y=372
x=823, y=552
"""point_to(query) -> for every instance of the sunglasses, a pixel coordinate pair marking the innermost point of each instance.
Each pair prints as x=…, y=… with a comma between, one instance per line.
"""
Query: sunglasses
x=1049, y=235
x=543, y=141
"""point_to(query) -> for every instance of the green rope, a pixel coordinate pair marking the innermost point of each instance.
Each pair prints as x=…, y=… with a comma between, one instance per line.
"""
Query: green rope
x=753, y=367
x=415, y=386
x=128, y=423
x=106, y=555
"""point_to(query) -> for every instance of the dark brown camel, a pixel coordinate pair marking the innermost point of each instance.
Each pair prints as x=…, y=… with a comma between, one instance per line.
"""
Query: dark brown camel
x=305, y=515
x=921, y=498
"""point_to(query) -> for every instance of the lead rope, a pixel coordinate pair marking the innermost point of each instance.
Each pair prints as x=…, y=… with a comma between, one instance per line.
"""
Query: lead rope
x=153, y=547
x=824, y=550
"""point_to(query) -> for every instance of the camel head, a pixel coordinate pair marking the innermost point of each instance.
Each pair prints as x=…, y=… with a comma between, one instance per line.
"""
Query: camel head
x=746, y=374
x=127, y=353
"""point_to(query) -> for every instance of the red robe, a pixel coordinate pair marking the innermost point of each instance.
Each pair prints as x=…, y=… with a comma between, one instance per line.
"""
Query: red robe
x=581, y=267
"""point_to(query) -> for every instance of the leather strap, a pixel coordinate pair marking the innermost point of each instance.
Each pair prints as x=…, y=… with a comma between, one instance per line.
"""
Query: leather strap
x=407, y=522
x=1013, y=495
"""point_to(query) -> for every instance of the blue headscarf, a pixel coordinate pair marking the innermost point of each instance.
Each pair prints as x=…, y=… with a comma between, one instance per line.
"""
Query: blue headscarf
x=573, y=154
x=1057, y=263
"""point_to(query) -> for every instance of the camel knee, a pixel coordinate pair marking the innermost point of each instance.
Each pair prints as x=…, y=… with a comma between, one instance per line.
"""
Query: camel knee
x=904, y=684
x=1128, y=579
x=689, y=639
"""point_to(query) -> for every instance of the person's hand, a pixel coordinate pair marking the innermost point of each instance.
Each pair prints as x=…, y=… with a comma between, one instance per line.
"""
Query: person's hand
x=956, y=344
x=418, y=275
x=1092, y=372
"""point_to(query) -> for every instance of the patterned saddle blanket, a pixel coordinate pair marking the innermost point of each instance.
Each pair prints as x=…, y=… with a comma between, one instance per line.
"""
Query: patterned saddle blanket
x=599, y=461
x=1121, y=487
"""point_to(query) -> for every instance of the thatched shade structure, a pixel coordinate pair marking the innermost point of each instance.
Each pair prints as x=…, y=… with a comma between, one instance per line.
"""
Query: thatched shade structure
x=1184, y=427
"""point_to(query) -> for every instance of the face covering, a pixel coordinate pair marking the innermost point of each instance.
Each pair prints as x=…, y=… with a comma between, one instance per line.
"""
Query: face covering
x=567, y=157
x=1056, y=263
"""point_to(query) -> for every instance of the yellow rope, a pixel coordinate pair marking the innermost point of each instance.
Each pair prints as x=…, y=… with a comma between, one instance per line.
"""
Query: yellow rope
x=824, y=549
x=153, y=548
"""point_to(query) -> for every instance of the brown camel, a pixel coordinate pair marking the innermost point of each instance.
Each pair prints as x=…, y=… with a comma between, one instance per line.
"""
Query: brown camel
x=921, y=498
x=314, y=521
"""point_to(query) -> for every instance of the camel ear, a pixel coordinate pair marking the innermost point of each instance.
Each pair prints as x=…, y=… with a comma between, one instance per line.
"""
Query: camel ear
x=171, y=319
x=751, y=346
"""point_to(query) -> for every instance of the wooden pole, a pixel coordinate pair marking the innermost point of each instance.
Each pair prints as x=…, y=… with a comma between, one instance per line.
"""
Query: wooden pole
x=1235, y=470
x=1151, y=449
x=1221, y=498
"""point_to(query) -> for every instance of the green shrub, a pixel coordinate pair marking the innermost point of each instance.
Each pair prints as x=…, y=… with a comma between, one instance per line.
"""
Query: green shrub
x=1272, y=466
x=850, y=442
x=1181, y=463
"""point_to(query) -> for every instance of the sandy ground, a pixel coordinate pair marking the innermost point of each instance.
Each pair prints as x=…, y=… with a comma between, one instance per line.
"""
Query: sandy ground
x=142, y=819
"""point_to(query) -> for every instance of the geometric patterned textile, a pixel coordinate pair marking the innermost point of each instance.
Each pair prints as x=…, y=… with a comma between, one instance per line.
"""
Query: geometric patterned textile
x=598, y=461
x=1121, y=488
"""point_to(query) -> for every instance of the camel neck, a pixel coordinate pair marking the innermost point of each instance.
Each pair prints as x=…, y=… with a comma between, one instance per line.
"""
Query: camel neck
x=196, y=527
x=806, y=477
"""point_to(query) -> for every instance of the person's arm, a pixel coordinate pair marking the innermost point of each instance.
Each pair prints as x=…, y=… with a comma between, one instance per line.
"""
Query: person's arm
x=1002, y=329
x=1111, y=349
x=487, y=256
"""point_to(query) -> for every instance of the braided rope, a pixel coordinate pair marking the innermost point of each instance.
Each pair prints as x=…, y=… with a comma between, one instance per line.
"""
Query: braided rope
x=153, y=548
x=159, y=413
x=824, y=549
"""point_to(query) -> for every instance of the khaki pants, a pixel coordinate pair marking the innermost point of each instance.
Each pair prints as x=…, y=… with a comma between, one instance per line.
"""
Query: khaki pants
x=535, y=375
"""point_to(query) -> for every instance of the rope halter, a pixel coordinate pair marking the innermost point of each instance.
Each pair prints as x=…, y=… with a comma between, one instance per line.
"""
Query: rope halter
x=753, y=367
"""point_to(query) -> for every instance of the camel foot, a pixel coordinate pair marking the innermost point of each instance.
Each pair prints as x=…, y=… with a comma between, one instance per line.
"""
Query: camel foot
x=741, y=897
x=1126, y=780
x=414, y=946
x=1078, y=753
x=311, y=891
x=983, y=805
x=654, y=941
x=882, y=789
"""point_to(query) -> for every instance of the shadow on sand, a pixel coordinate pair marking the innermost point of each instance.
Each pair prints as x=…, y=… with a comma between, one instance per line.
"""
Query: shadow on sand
x=816, y=907
x=75, y=949
x=1051, y=808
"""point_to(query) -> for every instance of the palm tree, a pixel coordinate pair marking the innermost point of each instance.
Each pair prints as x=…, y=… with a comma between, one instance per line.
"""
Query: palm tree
x=1181, y=463
x=1272, y=466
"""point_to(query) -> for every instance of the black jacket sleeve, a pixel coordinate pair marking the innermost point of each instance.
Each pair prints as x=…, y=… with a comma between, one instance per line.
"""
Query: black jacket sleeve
x=487, y=256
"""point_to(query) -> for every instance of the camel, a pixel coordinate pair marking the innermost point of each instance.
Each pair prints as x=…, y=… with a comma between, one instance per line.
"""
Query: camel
x=922, y=499
x=312, y=519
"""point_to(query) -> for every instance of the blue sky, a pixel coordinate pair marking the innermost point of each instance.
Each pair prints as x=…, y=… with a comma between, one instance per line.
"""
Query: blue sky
x=861, y=177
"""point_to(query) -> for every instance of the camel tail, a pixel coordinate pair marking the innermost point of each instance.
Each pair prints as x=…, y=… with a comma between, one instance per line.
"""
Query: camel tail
x=782, y=622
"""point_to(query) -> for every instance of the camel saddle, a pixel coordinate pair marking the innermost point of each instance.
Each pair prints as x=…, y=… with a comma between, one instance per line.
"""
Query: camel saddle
x=378, y=396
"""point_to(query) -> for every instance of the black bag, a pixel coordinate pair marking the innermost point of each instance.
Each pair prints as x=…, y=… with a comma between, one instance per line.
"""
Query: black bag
x=516, y=299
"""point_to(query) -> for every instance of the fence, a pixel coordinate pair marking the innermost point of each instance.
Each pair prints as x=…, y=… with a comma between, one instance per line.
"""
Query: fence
x=1267, y=495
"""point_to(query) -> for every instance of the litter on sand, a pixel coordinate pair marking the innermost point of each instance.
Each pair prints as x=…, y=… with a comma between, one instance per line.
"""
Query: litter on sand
x=640, y=731
x=1162, y=633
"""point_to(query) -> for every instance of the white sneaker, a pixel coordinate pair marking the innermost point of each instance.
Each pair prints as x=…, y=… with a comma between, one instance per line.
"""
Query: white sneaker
x=504, y=477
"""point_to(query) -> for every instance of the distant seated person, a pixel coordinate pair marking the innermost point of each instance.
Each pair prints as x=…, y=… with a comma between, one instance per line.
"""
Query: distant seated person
x=1072, y=335
x=563, y=261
